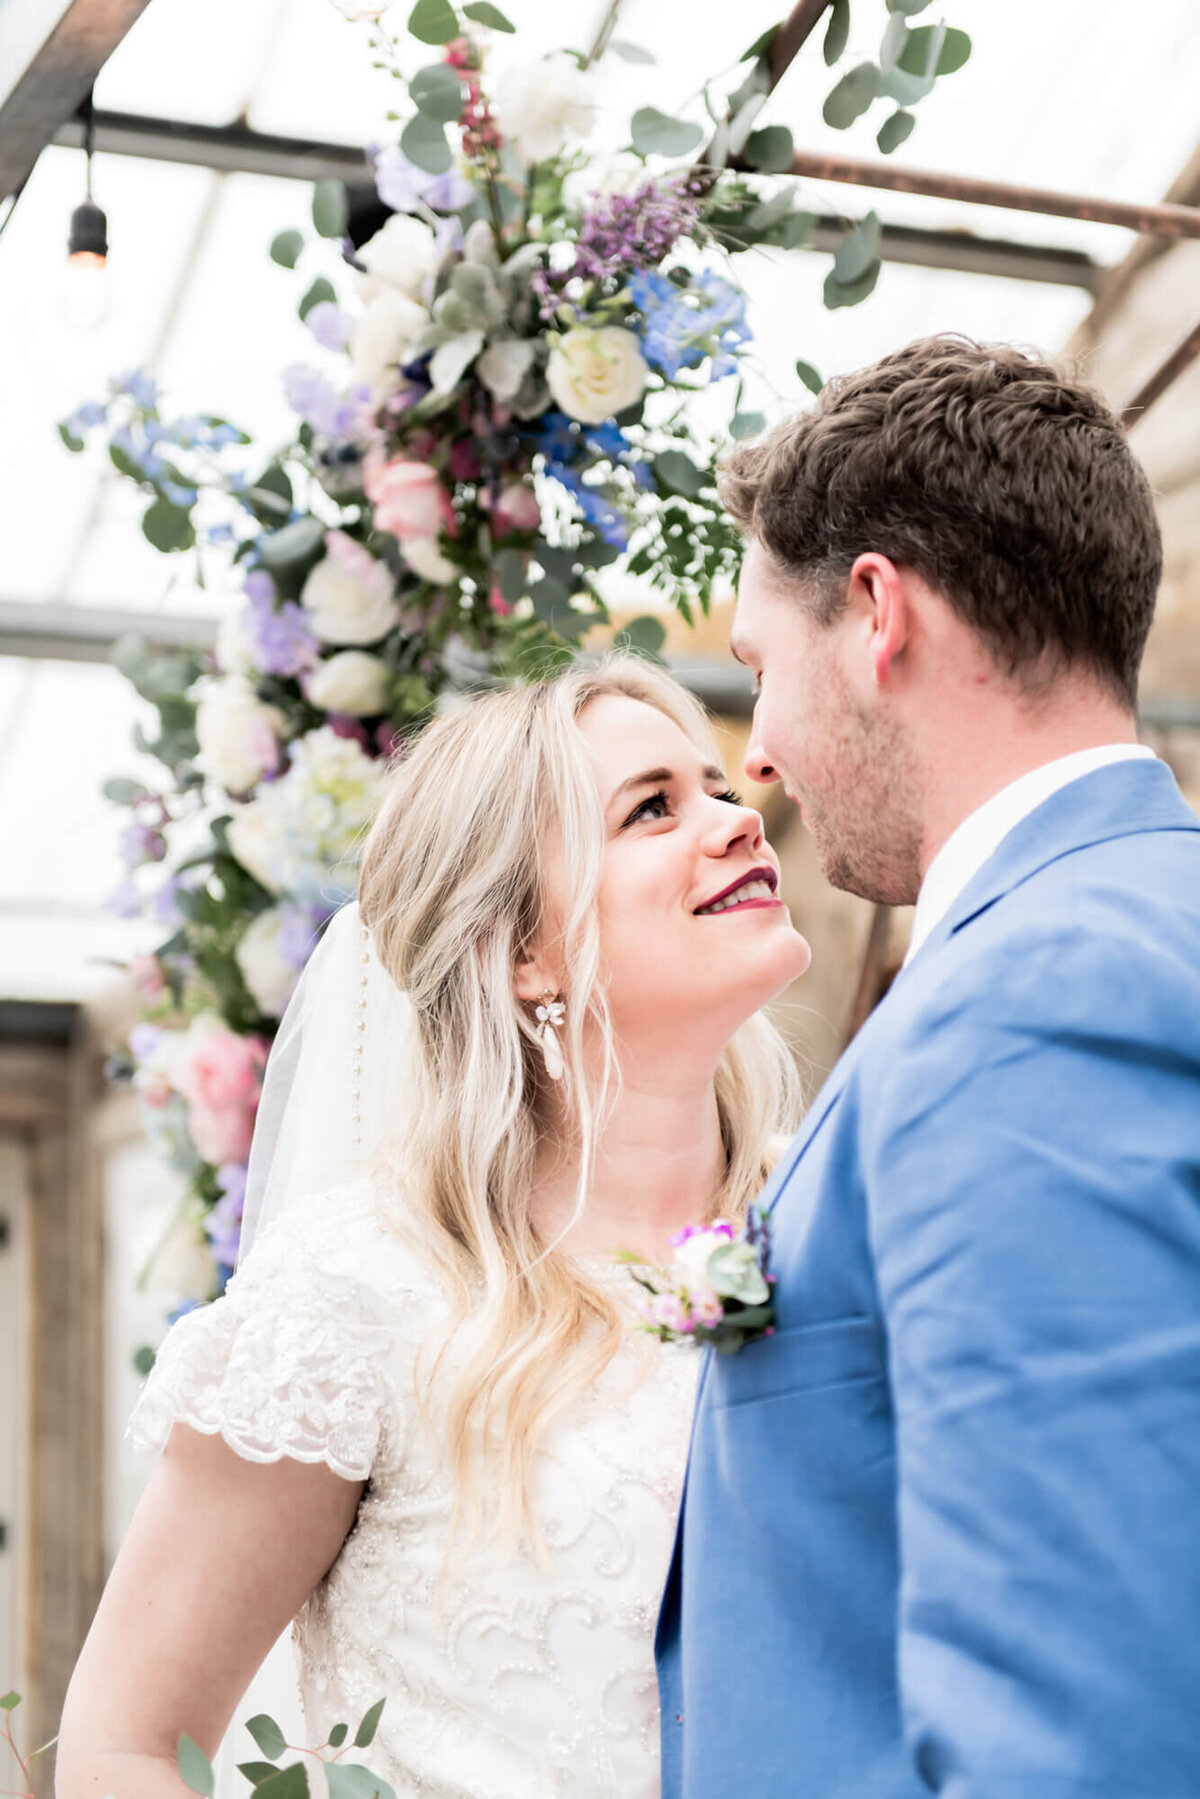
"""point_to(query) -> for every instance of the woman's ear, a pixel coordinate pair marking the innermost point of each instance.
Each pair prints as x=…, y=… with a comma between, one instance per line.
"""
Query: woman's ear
x=530, y=978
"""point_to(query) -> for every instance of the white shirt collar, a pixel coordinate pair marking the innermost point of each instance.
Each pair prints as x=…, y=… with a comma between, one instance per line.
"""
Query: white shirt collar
x=967, y=849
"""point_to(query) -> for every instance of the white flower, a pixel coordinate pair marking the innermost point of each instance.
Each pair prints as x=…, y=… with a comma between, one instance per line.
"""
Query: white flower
x=596, y=374
x=233, y=652
x=541, y=104
x=382, y=338
x=349, y=601
x=238, y=735
x=352, y=681
x=504, y=365
x=691, y=1259
x=402, y=255
x=426, y=560
x=183, y=1265
x=302, y=834
x=266, y=973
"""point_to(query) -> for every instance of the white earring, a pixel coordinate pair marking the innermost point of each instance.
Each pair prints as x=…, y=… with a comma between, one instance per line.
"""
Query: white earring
x=550, y=1013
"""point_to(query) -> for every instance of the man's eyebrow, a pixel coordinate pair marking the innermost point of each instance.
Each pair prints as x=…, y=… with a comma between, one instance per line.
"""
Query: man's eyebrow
x=657, y=777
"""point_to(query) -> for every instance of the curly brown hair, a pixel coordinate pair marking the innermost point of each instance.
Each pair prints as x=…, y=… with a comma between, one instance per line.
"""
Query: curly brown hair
x=1005, y=485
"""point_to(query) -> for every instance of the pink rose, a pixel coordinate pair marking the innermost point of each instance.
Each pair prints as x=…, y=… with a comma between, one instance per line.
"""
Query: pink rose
x=220, y=1075
x=497, y=601
x=221, y=1136
x=148, y=977
x=517, y=509
x=409, y=500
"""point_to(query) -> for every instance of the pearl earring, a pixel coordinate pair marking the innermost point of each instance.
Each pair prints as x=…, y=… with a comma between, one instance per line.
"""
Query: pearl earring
x=549, y=1013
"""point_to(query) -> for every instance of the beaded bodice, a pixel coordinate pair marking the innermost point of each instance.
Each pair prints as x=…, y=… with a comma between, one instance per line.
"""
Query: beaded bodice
x=524, y=1676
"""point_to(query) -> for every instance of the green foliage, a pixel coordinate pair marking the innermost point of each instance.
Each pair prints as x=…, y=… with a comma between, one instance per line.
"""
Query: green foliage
x=73, y=443
x=809, y=376
x=436, y=91
x=168, y=527
x=338, y=1735
x=285, y=1783
x=954, y=50
x=895, y=131
x=286, y=247
x=9, y=1702
x=144, y=1360
x=364, y=1736
x=267, y=1735
x=482, y=12
x=330, y=208
x=301, y=541
x=424, y=142
x=195, y=1769
x=122, y=791
x=257, y=1772
x=761, y=44
x=433, y=22
x=837, y=32
x=316, y=294
x=656, y=134
x=850, y=293
x=857, y=250
x=350, y=1780
x=747, y=424
x=628, y=52
x=645, y=634
x=770, y=150
x=851, y=97
x=677, y=473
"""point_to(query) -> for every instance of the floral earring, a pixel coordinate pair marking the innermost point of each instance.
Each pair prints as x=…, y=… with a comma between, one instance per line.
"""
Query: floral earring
x=549, y=1013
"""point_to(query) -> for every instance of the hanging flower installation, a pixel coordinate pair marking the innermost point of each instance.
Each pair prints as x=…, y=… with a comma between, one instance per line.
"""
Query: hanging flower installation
x=496, y=410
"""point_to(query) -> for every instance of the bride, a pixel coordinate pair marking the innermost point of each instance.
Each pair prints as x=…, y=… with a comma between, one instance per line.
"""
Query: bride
x=421, y=1421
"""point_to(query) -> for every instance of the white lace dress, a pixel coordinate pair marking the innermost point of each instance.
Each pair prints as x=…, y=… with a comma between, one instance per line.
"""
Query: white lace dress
x=517, y=1680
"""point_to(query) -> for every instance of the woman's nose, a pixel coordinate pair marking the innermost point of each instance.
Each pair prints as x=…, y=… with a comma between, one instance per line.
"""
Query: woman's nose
x=735, y=824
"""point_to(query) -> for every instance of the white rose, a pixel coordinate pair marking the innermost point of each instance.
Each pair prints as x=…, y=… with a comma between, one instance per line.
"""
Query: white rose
x=254, y=838
x=691, y=1259
x=268, y=976
x=347, y=609
x=233, y=653
x=401, y=255
x=184, y=1266
x=541, y=104
x=238, y=735
x=426, y=560
x=595, y=374
x=382, y=338
x=352, y=681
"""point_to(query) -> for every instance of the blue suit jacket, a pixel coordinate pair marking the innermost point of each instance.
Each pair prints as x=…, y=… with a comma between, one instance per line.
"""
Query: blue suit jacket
x=942, y=1532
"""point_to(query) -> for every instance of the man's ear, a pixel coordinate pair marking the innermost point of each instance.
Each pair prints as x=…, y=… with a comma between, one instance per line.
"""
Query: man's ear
x=877, y=586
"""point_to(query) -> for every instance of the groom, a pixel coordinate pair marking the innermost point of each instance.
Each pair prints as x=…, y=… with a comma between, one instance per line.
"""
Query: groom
x=941, y=1533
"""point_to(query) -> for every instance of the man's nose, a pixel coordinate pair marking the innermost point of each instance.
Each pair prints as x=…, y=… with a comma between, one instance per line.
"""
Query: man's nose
x=755, y=763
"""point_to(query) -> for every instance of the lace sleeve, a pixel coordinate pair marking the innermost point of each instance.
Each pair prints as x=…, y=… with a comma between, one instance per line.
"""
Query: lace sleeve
x=292, y=1361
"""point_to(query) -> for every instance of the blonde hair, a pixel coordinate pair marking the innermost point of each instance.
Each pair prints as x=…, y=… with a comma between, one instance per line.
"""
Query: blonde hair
x=454, y=889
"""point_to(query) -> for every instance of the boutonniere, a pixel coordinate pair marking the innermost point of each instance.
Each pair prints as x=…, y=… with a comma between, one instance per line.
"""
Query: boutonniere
x=717, y=1289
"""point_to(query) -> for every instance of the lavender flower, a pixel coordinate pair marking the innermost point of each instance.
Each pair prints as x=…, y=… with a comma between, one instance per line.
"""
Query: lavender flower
x=141, y=388
x=281, y=642
x=298, y=932
x=141, y=843
x=623, y=233
x=320, y=404
x=223, y=1225
x=258, y=585
x=330, y=325
x=405, y=188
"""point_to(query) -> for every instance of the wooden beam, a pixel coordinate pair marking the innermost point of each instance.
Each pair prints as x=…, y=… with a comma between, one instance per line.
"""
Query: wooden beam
x=57, y=77
x=1168, y=371
x=1165, y=220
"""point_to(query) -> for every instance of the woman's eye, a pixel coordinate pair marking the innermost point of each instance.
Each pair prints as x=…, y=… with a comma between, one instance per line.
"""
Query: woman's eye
x=734, y=799
x=657, y=806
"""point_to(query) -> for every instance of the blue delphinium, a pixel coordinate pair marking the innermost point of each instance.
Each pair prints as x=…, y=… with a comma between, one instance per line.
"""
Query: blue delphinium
x=683, y=325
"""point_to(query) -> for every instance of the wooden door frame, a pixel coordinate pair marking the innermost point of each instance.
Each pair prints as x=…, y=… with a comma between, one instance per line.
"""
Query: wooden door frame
x=50, y=1075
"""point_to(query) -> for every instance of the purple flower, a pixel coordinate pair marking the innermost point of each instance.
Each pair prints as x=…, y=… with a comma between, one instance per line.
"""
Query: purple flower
x=85, y=416
x=124, y=900
x=330, y=325
x=144, y=1039
x=258, y=585
x=320, y=404
x=141, y=843
x=281, y=641
x=142, y=389
x=223, y=1225
x=297, y=933
x=622, y=233
x=404, y=187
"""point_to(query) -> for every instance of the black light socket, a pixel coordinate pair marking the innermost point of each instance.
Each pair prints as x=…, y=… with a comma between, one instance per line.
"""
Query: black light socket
x=89, y=231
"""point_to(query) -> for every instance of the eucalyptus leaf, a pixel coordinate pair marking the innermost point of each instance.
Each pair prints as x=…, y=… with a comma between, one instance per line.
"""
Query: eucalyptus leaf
x=769, y=212
x=837, y=32
x=288, y=1783
x=317, y=294
x=895, y=131
x=839, y=293
x=267, y=1735
x=451, y=360
x=257, y=1772
x=791, y=231
x=286, y=247
x=857, y=250
x=330, y=208
x=770, y=150
x=630, y=52
x=739, y=126
x=350, y=1780
x=433, y=21
x=424, y=142
x=9, y=1702
x=73, y=443
x=656, y=134
x=167, y=527
x=747, y=424
x=677, y=471
x=761, y=44
x=436, y=92
x=481, y=12
x=122, y=791
x=954, y=49
x=144, y=1358
x=511, y=577
x=364, y=1736
x=195, y=1769
x=809, y=376
x=338, y=1735
x=293, y=543
x=851, y=97
x=895, y=41
x=646, y=634
x=907, y=7
x=904, y=89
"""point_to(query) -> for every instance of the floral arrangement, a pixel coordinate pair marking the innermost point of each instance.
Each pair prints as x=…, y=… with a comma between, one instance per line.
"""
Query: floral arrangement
x=498, y=409
x=717, y=1290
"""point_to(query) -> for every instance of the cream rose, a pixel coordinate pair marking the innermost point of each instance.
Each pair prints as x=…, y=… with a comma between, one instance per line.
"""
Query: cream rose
x=266, y=972
x=540, y=105
x=382, y=337
x=426, y=560
x=238, y=735
x=350, y=598
x=402, y=255
x=352, y=681
x=595, y=374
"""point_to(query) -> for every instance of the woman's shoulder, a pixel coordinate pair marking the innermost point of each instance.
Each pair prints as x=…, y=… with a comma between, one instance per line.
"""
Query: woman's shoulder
x=354, y=1236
